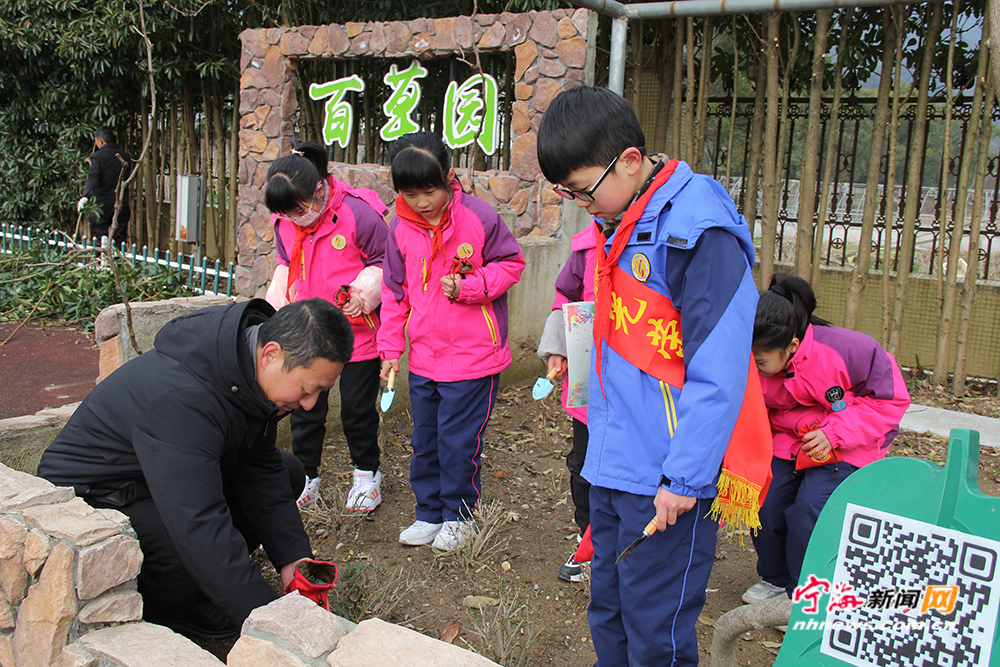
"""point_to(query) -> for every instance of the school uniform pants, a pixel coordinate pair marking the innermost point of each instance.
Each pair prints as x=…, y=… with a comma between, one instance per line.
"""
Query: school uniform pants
x=358, y=415
x=642, y=611
x=788, y=517
x=167, y=589
x=449, y=423
x=578, y=486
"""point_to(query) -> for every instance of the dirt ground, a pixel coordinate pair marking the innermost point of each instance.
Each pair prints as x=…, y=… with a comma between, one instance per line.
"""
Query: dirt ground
x=527, y=615
x=539, y=620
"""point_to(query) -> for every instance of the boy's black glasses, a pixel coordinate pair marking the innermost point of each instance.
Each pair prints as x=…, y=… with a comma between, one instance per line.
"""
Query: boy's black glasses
x=586, y=195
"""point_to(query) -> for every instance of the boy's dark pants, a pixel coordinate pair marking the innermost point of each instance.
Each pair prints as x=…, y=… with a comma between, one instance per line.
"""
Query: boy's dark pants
x=788, y=517
x=358, y=414
x=449, y=421
x=642, y=611
x=166, y=587
x=578, y=486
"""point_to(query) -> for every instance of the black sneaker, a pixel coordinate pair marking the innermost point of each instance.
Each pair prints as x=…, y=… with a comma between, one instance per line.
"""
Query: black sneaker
x=571, y=571
x=203, y=620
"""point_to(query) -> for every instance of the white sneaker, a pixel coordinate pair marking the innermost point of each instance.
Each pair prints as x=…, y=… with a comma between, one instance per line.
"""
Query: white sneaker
x=309, y=493
x=454, y=535
x=762, y=591
x=366, y=494
x=419, y=534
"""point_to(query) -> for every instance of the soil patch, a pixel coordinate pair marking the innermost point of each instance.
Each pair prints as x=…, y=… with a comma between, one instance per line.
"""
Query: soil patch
x=520, y=610
x=526, y=482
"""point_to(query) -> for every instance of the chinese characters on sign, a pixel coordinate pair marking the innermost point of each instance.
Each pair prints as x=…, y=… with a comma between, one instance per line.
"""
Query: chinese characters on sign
x=941, y=599
x=470, y=108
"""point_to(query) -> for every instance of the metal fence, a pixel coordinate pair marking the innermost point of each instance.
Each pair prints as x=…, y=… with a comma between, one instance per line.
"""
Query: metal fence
x=852, y=147
x=201, y=277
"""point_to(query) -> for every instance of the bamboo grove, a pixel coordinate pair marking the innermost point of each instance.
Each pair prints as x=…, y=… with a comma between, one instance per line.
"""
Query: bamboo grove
x=889, y=101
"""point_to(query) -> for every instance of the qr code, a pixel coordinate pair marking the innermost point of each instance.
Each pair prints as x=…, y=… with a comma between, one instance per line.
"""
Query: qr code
x=882, y=555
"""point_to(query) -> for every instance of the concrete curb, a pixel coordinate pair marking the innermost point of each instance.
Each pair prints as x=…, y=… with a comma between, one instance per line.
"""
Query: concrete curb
x=923, y=418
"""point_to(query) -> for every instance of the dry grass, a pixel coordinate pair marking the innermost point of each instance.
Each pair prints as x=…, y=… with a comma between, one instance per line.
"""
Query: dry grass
x=491, y=520
x=504, y=629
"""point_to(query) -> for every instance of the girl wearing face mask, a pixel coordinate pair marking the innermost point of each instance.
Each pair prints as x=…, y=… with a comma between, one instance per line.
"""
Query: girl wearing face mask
x=330, y=240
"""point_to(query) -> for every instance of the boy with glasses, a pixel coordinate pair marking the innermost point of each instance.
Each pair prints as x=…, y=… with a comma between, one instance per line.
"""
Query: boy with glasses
x=675, y=303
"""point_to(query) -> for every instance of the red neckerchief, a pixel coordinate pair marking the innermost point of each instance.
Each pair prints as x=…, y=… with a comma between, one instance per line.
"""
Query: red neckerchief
x=296, y=264
x=437, y=231
x=602, y=296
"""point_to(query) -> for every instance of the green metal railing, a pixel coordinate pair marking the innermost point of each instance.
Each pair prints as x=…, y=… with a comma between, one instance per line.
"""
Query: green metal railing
x=201, y=277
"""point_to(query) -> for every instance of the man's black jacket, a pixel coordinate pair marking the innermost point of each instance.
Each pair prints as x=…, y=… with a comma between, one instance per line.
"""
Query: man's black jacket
x=178, y=423
x=103, y=179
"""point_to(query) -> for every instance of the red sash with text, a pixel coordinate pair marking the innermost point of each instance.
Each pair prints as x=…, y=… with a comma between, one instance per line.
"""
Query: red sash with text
x=642, y=326
x=646, y=329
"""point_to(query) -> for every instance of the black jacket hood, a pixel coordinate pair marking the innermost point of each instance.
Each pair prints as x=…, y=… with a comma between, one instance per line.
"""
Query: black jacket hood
x=226, y=361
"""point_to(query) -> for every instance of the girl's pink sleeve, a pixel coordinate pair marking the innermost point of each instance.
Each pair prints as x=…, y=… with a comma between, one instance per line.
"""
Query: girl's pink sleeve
x=503, y=263
x=368, y=287
x=865, y=418
x=391, y=339
x=278, y=287
x=872, y=409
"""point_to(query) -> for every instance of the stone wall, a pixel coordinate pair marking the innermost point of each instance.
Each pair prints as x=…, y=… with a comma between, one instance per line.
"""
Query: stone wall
x=552, y=51
x=66, y=569
x=68, y=598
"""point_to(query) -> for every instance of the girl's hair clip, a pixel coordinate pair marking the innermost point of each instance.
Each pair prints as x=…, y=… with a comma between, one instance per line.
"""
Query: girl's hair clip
x=296, y=151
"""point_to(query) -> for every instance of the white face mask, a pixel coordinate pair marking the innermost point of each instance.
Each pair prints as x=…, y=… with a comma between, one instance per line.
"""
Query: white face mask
x=307, y=220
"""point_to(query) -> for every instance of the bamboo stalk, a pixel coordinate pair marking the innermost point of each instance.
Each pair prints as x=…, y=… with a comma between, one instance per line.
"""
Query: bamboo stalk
x=830, y=157
x=946, y=283
x=810, y=151
x=862, y=264
x=983, y=93
x=769, y=221
x=912, y=208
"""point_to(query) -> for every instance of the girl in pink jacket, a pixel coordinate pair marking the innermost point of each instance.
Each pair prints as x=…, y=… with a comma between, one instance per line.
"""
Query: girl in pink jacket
x=574, y=283
x=449, y=262
x=835, y=399
x=330, y=241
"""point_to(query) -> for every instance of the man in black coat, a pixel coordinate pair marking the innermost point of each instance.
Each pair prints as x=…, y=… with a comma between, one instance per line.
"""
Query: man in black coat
x=107, y=165
x=182, y=440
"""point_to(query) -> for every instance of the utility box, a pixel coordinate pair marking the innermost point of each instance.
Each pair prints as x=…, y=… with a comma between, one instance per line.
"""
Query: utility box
x=190, y=208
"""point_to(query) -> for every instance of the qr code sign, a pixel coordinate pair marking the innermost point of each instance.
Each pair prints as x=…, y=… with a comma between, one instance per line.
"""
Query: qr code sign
x=884, y=555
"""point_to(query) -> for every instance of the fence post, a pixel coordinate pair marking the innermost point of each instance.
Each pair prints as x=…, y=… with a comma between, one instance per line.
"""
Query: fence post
x=229, y=281
x=204, y=272
x=215, y=285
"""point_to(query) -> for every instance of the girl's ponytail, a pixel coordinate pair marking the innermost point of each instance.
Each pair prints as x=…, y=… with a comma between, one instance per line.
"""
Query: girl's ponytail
x=783, y=313
x=316, y=154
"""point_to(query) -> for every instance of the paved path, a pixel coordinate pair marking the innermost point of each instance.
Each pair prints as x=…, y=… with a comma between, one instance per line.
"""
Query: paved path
x=44, y=367
x=921, y=418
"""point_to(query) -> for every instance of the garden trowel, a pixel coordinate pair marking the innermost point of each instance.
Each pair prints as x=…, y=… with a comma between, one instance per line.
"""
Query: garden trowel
x=389, y=393
x=646, y=532
x=543, y=385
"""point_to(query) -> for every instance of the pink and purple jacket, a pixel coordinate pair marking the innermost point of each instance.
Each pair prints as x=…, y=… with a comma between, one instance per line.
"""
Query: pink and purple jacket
x=576, y=283
x=350, y=238
x=846, y=382
x=456, y=341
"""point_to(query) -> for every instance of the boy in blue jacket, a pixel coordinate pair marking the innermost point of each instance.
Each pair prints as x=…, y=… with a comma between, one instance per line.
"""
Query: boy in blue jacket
x=675, y=303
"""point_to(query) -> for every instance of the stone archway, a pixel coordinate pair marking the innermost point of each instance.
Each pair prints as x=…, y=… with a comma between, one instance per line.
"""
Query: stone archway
x=552, y=50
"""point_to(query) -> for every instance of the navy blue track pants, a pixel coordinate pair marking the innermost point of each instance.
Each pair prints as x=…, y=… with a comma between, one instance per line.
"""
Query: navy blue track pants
x=788, y=517
x=449, y=423
x=642, y=611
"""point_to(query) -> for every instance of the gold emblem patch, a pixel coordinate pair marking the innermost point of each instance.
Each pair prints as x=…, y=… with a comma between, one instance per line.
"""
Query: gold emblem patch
x=465, y=250
x=338, y=242
x=640, y=267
